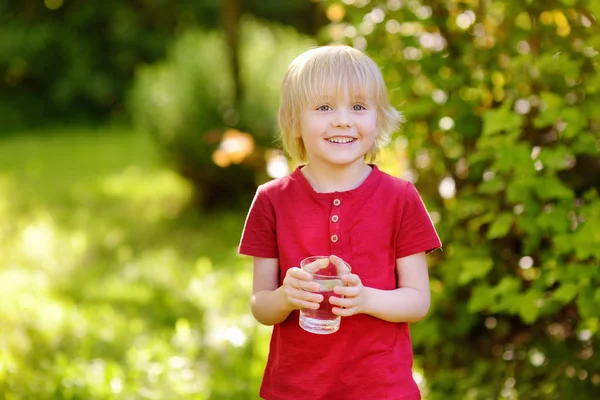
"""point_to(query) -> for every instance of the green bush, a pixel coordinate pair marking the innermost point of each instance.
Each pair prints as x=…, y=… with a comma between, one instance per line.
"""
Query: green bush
x=503, y=130
x=73, y=61
x=188, y=103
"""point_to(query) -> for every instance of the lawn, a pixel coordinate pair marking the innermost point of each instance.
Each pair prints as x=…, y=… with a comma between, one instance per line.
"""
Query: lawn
x=112, y=285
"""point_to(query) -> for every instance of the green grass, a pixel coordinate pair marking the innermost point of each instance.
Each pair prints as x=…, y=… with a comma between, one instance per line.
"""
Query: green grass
x=112, y=285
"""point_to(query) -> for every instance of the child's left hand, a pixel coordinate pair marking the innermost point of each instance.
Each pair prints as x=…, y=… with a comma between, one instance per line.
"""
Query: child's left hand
x=351, y=294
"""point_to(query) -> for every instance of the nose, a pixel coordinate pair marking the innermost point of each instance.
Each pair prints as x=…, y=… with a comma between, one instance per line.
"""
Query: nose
x=342, y=119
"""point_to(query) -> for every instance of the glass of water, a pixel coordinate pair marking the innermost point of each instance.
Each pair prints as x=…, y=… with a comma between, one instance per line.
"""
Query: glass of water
x=328, y=275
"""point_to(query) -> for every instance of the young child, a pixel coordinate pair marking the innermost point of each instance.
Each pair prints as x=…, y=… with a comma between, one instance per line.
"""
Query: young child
x=334, y=116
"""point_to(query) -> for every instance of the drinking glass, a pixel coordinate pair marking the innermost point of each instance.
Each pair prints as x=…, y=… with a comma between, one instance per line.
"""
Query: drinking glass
x=328, y=275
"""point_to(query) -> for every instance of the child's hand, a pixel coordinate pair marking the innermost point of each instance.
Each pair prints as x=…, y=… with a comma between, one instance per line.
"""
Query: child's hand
x=297, y=286
x=352, y=294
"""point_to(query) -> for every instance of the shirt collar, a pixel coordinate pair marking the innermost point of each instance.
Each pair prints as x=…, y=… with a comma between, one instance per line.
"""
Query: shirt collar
x=364, y=187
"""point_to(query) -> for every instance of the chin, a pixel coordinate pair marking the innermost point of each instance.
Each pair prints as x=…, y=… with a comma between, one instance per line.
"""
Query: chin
x=346, y=162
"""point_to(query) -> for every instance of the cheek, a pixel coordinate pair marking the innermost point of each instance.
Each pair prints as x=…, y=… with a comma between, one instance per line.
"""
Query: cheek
x=303, y=126
x=312, y=125
x=376, y=125
x=370, y=125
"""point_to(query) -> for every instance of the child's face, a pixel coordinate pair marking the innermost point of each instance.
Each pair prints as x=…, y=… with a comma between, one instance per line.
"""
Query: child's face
x=339, y=131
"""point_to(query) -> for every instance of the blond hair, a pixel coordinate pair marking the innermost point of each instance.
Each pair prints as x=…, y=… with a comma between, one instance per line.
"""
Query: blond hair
x=327, y=71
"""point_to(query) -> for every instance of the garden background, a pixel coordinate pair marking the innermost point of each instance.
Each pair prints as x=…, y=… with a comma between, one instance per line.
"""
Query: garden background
x=133, y=135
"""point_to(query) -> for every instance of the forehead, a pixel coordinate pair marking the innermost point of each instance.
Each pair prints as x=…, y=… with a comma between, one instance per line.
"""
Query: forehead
x=332, y=85
x=337, y=97
x=336, y=75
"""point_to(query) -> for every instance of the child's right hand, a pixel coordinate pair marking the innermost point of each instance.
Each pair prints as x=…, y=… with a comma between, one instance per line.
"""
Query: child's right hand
x=298, y=287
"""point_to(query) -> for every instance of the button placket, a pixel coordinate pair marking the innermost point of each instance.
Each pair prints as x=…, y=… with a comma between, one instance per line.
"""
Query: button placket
x=334, y=229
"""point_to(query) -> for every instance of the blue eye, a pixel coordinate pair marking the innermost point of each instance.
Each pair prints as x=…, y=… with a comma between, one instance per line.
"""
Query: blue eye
x=358, y=107
x=324, y=107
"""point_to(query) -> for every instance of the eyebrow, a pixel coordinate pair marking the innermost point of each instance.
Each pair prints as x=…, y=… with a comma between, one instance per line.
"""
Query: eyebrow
x=354, y=99
x=360, y=99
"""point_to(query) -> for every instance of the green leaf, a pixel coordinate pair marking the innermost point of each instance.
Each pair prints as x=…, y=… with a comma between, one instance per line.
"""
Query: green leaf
x=476, y=223
x=523, y=21
x=550, y=187
x=576, y=121
x=554, y=220
x=564, y=243
x=585, y=143
x=529, y=309
x=507, y=293
x=474, y=268
x=501, y=119
x=555, y=159
x=529, y=229
x=552, y=103
x=586, y=304
x=565, y=293
x=501, y=225
x=481, y=299
x=586, y=239
x=593, y=83
x=513, y=156
x=520, y=190
x=492, y=186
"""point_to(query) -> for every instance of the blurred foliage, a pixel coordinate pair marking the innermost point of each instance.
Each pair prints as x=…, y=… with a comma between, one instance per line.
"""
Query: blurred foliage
x=73, y=60
x=64, y=60
x=188, y=103
x=503, y=140
x=306, y=16
x=112, y=286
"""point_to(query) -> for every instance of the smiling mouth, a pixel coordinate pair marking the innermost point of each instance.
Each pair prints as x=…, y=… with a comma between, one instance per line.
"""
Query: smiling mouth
x=341, y=140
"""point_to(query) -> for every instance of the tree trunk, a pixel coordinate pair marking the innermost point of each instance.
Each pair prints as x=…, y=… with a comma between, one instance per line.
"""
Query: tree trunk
x=230, y=19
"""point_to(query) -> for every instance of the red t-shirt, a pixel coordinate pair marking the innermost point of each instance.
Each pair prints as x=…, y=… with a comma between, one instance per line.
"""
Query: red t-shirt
x=369, y=227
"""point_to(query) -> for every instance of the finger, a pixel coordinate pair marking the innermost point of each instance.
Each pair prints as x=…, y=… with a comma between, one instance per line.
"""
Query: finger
x=298, y=303
x=301, y=284
x=292, y=292
x=347, y=291
x=344, y=312
x=342, y=266
x=316, y=265
x=301, y=280
x=351, y=280
x=309, y=296
x=298, y=297
x=297, y=273
x=343, y=302
x=334, y=300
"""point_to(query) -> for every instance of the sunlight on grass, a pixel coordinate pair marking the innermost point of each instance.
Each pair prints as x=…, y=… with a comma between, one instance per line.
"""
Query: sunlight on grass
x=153, y=194
x=112, y=284
x=38, y=241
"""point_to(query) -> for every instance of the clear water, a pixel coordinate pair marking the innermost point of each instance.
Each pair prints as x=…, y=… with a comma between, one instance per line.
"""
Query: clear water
x=322, y=320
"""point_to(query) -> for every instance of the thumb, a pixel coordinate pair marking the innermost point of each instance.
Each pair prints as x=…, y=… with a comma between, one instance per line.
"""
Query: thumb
x=342, y=266
x=315, y=265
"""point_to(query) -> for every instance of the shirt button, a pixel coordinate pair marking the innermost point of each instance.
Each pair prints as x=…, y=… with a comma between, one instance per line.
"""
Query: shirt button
x=335, y=218
x=334, y=238
x=337, y=202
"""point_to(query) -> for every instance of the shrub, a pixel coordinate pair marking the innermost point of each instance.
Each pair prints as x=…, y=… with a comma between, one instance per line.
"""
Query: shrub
x=187, y=102
x=504, y=138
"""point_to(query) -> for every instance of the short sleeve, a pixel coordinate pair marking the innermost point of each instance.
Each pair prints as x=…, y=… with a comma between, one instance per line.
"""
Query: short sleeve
x=417, y=233
x=259, y=237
